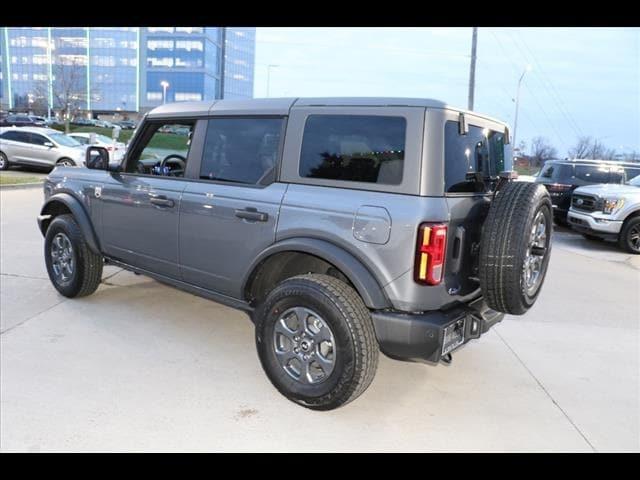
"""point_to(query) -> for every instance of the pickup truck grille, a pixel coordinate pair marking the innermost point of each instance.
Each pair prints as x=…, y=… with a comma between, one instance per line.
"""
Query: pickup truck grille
x=585, y=203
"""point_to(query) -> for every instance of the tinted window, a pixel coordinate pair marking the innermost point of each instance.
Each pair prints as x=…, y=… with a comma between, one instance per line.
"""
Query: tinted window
x=631, y=172
x=355, y=148
x=16, y=136
x=557, y=172
x=474, y=161
x=241, y=150
x=38, y=139
x=592, y=174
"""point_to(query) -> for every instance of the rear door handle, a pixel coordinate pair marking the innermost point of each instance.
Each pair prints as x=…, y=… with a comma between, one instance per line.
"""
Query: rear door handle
x=161, y=201
x=251, y=213
x=458, y=249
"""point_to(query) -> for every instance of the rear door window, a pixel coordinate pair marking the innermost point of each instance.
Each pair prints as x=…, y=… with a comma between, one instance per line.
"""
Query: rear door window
x=474, y=161
x=22, y=137
x=354, y=148
x=241, y=150
x=586, y=174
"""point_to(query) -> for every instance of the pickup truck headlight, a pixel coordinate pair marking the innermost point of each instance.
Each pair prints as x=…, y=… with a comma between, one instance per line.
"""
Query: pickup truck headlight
x=612, y=205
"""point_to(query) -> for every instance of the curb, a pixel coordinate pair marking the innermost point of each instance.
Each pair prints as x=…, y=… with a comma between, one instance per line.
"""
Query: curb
x=19, y=186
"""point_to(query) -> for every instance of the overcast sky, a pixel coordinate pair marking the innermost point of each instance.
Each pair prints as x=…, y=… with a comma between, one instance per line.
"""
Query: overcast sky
x=584, y=81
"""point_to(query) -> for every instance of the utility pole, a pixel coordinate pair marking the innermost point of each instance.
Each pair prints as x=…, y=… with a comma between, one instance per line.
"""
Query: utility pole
x=472, y=71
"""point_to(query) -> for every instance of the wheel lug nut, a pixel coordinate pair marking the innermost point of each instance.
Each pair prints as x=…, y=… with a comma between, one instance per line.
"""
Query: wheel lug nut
x=296, y=349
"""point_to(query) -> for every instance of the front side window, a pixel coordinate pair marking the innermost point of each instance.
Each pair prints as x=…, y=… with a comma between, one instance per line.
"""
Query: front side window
x=474, y=161
x=241, y=150
x=354, y=148
x=38, y=139
x=162, y=150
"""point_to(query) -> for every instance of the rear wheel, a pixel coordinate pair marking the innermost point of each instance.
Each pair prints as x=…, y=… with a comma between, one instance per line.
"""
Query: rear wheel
x=4, y=161
x=629, y=238
x=316, y=342
x=515, y=247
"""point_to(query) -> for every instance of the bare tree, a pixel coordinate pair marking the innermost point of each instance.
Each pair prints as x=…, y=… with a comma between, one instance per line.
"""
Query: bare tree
x=591, y=148
x=582, y=148
x=69, y=90
x=542, y=150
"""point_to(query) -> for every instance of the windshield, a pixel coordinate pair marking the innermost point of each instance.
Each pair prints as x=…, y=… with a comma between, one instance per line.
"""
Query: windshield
x=62, y=139
x=635, y=181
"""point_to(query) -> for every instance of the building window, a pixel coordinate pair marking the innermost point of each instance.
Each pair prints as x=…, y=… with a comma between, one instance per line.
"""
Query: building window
x=189, y=29
x=154, y=96
x=160, y=29
x=160, y=62
x=189, y=45
x=40, y=59
x=156, y=44
x=188, y=97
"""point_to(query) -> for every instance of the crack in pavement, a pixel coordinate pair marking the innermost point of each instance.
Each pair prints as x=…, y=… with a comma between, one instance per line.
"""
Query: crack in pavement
x=22, y=276
x=32, y=316
x=546, y=392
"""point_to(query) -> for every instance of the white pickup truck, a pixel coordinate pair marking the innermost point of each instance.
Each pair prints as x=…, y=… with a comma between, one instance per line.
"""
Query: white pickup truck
x=608, y=211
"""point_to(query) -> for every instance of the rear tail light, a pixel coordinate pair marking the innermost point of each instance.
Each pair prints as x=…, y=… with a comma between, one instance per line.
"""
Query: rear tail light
x=430, y=253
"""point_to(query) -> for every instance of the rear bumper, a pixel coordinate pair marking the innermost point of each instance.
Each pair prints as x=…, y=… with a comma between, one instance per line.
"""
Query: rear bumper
x=421, y=337
x=594, y=224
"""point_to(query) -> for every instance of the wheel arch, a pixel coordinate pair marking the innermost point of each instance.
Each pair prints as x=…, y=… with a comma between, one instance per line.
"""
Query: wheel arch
x=65, y=203
x=295, y=256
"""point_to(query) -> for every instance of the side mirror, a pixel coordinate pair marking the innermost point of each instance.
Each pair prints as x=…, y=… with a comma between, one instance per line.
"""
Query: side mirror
x=97, y=158
x=48, y=144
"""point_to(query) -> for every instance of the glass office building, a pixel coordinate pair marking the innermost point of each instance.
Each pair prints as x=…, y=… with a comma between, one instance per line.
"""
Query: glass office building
x=122, y=69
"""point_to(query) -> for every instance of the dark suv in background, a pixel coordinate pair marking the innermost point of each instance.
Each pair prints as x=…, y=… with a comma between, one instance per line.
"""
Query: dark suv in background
x=562, y=177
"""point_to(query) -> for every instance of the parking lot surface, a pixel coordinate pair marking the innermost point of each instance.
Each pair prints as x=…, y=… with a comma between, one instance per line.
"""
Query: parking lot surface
x=141, y=366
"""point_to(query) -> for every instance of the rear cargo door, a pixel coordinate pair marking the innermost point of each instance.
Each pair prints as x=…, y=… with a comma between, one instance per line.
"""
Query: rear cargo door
x=472, y=163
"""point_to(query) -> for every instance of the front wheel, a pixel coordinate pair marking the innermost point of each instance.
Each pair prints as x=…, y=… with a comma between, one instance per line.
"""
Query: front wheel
x=73, y=268
x=629, y=239
x=65, y=162
x=316, y=341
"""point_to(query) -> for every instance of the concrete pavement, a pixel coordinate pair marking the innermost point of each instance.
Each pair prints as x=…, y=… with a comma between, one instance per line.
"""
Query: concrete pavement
x=141, y=366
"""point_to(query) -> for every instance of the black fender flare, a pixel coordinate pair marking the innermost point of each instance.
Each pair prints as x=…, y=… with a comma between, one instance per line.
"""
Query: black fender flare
x=78, y=212
x=362, y=279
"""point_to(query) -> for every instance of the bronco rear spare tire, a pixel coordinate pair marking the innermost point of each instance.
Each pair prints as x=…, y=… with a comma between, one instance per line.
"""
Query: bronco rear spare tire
x=515, y=247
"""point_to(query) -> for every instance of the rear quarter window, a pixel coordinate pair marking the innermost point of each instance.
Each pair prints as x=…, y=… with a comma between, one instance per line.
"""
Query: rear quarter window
x=354, y=148
x=592, y=174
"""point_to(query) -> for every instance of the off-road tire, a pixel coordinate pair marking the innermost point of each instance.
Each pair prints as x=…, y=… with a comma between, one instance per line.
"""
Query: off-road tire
x=4, y=161
x=356, y=354
x=88, y=265
x=504, y=243
x=624, y=239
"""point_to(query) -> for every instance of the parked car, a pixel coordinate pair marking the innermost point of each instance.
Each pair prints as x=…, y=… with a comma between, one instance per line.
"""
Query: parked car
x=103, y=124
x=126, y=124
x=115, y=149
x=38, y=147
x=82, y=122
x=609, y=212
x=22, y=121
x=341, y=225
x=562, y=177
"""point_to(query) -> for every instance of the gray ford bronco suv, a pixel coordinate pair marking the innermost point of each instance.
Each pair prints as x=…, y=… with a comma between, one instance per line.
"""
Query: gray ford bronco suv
x=342, y=226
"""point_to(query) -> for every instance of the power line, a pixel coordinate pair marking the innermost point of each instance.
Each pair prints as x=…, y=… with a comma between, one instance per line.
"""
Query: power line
x=548, y=119
x=554, y=95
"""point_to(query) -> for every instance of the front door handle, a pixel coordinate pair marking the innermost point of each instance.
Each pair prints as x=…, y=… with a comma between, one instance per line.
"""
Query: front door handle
x=251, y=213
x=161, y=201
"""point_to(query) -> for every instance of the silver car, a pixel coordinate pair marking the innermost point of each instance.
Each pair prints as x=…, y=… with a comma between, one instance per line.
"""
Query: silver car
x=39, y=147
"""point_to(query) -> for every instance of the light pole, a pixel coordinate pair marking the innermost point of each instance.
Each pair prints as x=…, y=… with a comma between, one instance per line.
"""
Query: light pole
x=269, y=67
x=515, y=120
x=472, y=69
x=164, y=84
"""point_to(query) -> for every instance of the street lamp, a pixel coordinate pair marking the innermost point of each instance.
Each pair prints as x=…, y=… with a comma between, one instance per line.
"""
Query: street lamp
x=269, y=67
x=515, y=121
x=164, y=84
